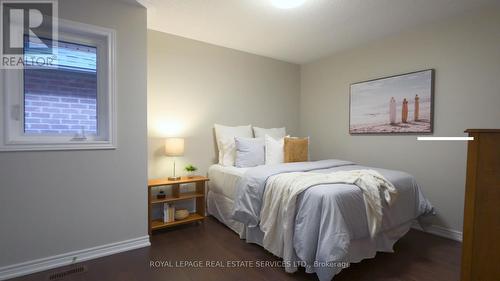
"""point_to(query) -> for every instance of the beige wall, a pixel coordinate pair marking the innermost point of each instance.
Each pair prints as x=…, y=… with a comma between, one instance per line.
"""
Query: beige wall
x=464, y=51
x=192, y=85
x=54, y=202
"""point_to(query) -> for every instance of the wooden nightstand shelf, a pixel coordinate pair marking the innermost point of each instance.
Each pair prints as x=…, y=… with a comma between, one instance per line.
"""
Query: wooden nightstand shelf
x=198, y=196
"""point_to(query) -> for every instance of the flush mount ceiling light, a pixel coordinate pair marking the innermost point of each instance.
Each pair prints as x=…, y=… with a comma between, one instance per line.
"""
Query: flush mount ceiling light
x=287, y=4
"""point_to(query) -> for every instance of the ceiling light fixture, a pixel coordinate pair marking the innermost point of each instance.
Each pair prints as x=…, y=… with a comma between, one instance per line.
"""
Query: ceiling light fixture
x=287, y=4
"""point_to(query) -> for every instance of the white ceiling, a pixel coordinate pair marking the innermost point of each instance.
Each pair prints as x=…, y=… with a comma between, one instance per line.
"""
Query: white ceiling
x=300, y=35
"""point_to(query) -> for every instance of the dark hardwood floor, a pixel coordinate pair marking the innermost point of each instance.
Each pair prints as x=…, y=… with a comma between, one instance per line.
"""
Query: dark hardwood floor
x=418, y=256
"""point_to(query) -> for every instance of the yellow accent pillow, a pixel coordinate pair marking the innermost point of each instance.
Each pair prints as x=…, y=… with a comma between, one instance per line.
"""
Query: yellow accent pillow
x=296, y=149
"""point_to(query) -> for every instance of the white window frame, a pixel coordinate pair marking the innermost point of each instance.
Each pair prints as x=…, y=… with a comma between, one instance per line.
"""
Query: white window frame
x=12, y=136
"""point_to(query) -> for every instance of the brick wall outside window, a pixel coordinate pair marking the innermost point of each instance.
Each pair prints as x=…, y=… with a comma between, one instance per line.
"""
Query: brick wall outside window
x=60, y=101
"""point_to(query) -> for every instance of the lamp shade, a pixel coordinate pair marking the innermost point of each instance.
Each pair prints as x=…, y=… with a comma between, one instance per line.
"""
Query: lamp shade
x=174, y=146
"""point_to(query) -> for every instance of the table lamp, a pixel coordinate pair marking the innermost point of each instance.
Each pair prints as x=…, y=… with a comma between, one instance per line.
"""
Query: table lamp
x=174, y=147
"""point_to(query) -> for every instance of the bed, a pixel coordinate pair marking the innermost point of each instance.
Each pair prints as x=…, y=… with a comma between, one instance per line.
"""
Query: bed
x=330, y=226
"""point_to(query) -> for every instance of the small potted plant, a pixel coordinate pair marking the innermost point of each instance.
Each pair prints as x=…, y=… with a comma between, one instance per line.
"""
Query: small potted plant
x=190, y=169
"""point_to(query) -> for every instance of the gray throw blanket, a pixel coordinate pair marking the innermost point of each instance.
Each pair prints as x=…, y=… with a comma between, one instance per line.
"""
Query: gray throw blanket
x=251, y=187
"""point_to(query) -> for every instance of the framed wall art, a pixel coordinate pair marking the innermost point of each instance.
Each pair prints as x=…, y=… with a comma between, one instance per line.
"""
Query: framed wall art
x=401, y=104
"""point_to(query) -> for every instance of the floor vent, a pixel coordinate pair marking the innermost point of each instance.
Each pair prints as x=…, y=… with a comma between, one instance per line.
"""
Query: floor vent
x=71, y=271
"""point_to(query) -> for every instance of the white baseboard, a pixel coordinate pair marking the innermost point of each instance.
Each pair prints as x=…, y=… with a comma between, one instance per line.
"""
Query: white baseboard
x=440, y=231
x=42, y=264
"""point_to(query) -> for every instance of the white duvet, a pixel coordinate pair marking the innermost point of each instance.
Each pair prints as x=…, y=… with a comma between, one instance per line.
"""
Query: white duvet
x=278, y=211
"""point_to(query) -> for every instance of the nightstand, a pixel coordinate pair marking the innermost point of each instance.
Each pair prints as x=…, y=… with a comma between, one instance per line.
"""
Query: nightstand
x=198, y=196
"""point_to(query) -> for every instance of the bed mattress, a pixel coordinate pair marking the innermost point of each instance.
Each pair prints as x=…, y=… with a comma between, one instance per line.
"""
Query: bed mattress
x=221, y=194
x=223, y=179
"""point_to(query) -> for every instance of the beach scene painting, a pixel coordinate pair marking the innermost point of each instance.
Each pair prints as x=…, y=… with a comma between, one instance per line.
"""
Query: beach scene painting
x=397, y=104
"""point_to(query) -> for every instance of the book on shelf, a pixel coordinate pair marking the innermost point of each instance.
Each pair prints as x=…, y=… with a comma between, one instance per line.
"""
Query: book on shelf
x=168, y=212
x=165, y=212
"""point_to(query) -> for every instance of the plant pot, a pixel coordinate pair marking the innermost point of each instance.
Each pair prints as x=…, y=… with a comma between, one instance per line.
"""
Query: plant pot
x=190, y=174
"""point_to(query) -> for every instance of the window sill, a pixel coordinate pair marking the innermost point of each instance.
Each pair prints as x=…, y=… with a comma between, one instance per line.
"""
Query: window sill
x=89, y=145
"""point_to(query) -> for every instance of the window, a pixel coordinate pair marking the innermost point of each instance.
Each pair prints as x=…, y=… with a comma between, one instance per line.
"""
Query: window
x=62, y=101
x=69, y=105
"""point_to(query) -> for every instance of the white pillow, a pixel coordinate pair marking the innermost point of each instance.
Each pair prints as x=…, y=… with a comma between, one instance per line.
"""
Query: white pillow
x=224, y=136
x=227, y=151
x=275, y=150
x=276, y=133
